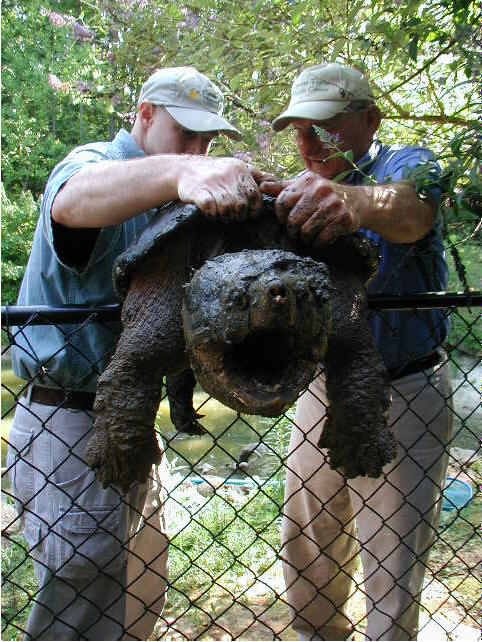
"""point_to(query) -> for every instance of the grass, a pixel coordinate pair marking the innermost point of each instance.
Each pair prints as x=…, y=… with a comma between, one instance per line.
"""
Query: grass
x=224, y=565
x=19, y=585
x=455, y=557
x=465, y=334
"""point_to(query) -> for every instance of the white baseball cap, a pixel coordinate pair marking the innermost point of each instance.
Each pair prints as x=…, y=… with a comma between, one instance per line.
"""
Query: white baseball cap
x=323, y=91
x=190, y=98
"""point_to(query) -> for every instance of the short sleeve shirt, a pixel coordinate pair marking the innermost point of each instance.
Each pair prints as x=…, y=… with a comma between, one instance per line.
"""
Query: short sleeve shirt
x=403, y=336
x=72, y=356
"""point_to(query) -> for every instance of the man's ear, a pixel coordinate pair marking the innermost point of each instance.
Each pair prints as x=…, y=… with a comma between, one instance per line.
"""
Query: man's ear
x=147, y=112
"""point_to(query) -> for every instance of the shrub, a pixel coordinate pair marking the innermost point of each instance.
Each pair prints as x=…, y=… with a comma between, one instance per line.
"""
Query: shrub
x=19, y=219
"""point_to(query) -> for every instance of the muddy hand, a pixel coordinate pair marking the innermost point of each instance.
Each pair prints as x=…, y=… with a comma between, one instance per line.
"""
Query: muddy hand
x=312, y=208
x=223, y=188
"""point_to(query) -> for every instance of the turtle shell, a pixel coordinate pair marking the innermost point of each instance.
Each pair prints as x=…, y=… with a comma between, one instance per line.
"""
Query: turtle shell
x=167, y=221
x=353, y=252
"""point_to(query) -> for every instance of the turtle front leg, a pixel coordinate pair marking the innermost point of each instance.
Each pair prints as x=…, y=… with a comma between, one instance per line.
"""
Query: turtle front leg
x=355, y=432
x=123, y=445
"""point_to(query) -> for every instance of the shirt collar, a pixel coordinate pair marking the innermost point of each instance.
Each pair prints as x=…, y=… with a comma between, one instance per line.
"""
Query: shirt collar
x=129, y=146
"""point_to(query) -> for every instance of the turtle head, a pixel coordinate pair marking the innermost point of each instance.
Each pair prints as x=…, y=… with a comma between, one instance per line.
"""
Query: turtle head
x=256, y=325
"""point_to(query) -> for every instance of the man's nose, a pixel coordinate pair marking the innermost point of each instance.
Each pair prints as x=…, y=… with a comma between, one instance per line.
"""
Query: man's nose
x=308, y=143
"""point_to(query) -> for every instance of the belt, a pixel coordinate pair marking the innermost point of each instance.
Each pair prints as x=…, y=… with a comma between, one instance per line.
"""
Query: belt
x=75, y=399
x=412, y=367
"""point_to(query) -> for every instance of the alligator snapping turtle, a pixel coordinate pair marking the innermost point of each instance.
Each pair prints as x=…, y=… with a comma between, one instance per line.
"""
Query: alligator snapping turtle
x=257, y=311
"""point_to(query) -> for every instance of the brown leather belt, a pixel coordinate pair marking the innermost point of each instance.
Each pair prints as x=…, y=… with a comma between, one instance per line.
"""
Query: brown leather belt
x=431, y=360
x=75, y=399
x=83, y=400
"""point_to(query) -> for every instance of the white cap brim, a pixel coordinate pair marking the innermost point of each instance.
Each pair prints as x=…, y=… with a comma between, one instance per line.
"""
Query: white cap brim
x=198, y=120
x=310, y=110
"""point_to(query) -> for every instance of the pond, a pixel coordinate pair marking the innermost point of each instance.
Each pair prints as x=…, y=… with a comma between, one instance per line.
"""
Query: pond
x=228, y=433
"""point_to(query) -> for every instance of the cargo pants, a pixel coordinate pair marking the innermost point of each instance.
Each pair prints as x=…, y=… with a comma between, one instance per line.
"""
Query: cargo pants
x=100, y=557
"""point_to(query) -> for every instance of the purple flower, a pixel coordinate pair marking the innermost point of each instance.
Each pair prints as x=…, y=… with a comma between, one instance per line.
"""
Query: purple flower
x=191, y=20
x=57, y=84
x=244, y=156
x=263, y=141
x=57, y=19
x=116, y=100
x=84, y=87
x=82, y=33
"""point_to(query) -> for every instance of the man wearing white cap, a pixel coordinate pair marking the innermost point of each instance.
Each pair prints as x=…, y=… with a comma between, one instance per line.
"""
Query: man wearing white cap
x=100, y=557
x=392, y=520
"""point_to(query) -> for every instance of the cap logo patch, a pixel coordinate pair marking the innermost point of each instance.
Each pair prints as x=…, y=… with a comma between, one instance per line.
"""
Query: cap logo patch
x=309, y=85
x=194, y=94
x=211, y=98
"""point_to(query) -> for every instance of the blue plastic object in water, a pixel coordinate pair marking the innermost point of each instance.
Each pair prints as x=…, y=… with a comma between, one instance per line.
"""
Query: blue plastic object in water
x=456, y=494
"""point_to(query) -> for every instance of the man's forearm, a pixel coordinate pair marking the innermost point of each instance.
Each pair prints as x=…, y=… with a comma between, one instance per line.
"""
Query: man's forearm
x=110, y=192
x=393, y=210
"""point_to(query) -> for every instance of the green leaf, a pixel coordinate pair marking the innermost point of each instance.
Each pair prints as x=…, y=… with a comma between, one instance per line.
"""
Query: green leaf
x=413, y=48
x=349, y=156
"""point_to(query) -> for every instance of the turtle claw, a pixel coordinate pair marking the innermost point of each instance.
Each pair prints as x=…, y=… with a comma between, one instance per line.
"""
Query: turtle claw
x=120, y=464
x=193, y=427
x=364, y=454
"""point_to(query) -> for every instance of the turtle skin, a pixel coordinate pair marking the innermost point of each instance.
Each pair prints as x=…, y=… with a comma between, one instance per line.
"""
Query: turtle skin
x=249, y=313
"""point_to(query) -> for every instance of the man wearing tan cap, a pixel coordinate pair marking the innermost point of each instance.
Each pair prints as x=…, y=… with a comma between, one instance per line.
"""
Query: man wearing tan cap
x=100, y=557
x=392, y=520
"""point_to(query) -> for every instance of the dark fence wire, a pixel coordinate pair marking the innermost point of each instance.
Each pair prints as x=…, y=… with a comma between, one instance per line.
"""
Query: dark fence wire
x=224, y=521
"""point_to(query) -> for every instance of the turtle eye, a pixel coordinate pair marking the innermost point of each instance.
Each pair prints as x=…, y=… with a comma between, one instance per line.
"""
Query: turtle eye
x=240, y=299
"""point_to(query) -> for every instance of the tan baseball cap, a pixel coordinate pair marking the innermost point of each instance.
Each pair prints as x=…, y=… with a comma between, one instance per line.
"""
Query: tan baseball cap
x=323, y=91
x=190, y=98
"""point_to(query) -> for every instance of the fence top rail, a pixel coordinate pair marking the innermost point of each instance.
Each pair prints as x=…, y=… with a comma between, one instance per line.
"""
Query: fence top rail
x=44, y=314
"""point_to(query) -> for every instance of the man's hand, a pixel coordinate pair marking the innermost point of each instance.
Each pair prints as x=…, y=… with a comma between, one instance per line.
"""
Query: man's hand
x=312, y=208
x=223, y=188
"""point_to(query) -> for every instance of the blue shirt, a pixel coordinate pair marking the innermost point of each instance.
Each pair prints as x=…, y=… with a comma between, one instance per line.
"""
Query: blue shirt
x=70, y=356
x=402, y=336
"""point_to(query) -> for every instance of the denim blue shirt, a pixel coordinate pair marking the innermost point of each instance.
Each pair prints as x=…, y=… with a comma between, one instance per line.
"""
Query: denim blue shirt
x=405, y=268
x=70, y=356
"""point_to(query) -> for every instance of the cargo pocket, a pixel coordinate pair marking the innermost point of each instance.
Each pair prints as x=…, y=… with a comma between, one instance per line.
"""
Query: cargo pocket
x=90, y=542
x=19, y=466
x=35, y=534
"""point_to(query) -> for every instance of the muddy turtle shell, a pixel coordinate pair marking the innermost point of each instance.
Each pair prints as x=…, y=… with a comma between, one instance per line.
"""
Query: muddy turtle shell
x=351, y=252
x=173, y=218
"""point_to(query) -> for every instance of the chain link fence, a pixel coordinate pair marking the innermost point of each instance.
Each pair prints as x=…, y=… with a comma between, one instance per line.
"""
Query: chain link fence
x=222, y=498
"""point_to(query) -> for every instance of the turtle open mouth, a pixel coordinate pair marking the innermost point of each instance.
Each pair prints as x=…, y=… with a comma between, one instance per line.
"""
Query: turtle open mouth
x=256, y=324
x=262, y=358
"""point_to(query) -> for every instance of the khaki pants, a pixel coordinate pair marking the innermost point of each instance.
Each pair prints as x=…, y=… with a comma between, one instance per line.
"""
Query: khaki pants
x=100, y=557
x=392, y=520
